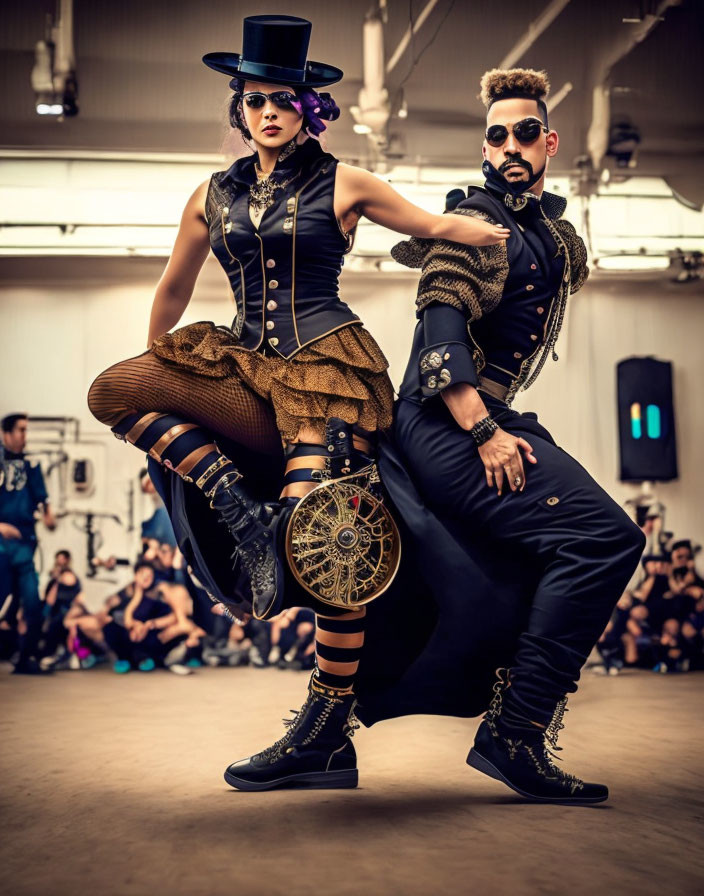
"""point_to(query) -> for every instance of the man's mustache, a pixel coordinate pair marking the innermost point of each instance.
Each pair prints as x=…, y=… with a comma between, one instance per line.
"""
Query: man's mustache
x=516, y=161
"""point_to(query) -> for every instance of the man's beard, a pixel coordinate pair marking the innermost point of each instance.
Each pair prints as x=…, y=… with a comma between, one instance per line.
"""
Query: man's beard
x=509, y=163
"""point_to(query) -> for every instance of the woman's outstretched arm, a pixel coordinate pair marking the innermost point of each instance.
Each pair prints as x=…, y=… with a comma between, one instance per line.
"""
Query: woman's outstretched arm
x=175, y=287
x=359, y=193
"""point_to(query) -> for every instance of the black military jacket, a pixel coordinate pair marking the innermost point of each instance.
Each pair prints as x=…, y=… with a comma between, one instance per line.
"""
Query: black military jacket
x=508, y=300
x=284, y=273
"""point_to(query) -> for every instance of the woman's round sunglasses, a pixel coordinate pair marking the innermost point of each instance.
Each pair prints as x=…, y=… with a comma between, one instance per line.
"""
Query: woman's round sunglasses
x=282, y=99
x=525, y=131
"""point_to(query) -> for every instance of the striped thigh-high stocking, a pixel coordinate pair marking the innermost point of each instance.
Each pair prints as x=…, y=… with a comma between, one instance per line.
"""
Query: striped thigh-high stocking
x=338, y=648
x=185, y=448
x=305, y=461
x=338, y=639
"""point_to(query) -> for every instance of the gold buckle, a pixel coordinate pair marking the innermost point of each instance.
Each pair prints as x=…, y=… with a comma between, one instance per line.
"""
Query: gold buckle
x=221, y=462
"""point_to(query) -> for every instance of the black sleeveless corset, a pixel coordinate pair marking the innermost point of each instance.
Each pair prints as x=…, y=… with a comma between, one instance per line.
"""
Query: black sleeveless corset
x=284, y=274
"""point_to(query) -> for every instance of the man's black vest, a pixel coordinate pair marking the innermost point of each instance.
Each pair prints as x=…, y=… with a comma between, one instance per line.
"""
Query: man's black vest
x=510, y=336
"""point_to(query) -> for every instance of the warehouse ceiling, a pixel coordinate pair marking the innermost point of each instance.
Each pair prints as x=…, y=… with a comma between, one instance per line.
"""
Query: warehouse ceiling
x=142, y=87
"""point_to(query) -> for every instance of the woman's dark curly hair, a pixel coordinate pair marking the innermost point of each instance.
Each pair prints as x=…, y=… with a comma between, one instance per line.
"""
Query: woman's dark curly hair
x=316, y=109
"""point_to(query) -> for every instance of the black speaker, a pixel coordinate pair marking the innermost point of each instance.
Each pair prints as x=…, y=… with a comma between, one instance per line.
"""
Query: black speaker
x=646, y=420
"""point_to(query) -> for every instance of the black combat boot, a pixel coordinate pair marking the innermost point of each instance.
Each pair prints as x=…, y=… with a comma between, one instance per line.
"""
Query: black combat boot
x=521, y=756
x=315, y=753
x=253, y=525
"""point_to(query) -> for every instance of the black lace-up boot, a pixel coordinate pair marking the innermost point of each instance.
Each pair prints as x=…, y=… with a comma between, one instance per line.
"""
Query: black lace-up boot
x=253, y=526
x=521, y=755
x=315, y=753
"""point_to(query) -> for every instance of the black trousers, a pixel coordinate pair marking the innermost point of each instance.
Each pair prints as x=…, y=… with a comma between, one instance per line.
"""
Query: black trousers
x=584, y=545
x=117, y=638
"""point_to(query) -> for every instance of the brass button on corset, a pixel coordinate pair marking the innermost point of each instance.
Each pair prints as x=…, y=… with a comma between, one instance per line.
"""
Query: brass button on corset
x=273, y=284
x=540, y=309
x=271, y=305
x=530, y=287
x=270, y=325
x=517, y=355
x=534, y=337
x=270, y=263
x=274, y=341
x=553, y=501
x=534, y=267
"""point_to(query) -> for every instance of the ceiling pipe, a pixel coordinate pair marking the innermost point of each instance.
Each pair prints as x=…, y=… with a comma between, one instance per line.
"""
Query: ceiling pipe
x=372, y=113
x=64, y=54
x=410, y=31
x=556, y=98
x=535, y=29
x=625, y=41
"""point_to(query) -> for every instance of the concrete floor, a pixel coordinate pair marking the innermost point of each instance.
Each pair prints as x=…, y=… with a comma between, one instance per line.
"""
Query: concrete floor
x=113, y=785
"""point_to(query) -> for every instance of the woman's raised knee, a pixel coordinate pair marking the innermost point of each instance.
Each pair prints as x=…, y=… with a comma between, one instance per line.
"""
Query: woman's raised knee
x=106, y=399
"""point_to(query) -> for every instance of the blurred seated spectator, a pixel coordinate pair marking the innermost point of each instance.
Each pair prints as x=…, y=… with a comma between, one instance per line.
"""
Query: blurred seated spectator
x=133, y=632
x=228, y=642
x=62, y=593
x=660, y=623
x=693, y=636
x=646, y=612
x=610, y=644
x=293, y=639
x=158, y=526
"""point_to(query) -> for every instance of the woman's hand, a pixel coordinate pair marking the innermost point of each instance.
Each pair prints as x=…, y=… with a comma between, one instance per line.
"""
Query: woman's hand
x=501, y=456
x=470, y=230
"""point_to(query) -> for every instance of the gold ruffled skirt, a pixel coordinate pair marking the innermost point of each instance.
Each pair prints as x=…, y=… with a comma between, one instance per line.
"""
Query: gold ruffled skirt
x=341, y=375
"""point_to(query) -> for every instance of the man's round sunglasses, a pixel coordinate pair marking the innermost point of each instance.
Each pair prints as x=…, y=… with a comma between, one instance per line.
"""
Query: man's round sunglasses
x=525, y=131
x=282, y=99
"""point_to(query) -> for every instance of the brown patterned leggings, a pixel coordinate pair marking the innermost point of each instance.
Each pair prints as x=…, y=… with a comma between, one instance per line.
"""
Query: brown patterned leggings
x=174, y=415
x=223, y=406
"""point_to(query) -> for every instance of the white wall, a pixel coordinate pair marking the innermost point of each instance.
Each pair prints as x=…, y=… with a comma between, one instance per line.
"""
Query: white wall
x=62, y=321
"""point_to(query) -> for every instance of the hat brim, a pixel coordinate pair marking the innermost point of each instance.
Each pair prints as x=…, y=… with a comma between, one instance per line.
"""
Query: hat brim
x=317, y=74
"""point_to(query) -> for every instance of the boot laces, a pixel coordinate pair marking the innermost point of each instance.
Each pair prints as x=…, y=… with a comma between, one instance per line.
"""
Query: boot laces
x=496, y=705
x=555, y=726
x=551, y=748
x=253, y=555
x=293, y=726
x=543, y=762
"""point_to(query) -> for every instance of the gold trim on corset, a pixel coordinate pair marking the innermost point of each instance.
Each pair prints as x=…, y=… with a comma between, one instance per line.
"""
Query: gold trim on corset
x=347, y=323
x=322, y=170
x=261, y=256
x=234, y=258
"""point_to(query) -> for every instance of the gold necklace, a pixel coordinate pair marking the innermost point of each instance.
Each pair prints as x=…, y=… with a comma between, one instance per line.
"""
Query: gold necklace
x=262, y=193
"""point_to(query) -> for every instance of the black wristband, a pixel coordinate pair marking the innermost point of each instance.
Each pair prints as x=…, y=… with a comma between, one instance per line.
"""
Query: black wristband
x=483, y=430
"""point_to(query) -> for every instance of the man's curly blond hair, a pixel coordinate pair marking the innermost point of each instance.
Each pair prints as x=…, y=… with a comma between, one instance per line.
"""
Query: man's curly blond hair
x=501, y=84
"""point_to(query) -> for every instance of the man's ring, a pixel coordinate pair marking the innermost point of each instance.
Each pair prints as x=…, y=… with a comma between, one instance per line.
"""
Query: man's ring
x=517, y=480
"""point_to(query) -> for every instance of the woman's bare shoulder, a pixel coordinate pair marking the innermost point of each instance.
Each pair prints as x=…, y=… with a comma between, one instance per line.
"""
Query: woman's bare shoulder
x=196, y=204
x=353, y=175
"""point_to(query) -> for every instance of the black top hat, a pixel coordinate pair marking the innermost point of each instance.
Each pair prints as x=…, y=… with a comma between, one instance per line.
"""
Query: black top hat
x=274, y=51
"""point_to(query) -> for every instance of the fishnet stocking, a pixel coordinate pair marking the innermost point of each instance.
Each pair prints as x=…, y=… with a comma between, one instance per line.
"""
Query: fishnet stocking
x=224, y=406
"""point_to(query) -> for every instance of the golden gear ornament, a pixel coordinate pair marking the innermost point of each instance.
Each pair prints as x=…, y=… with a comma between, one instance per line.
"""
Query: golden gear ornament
x=342, y=543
